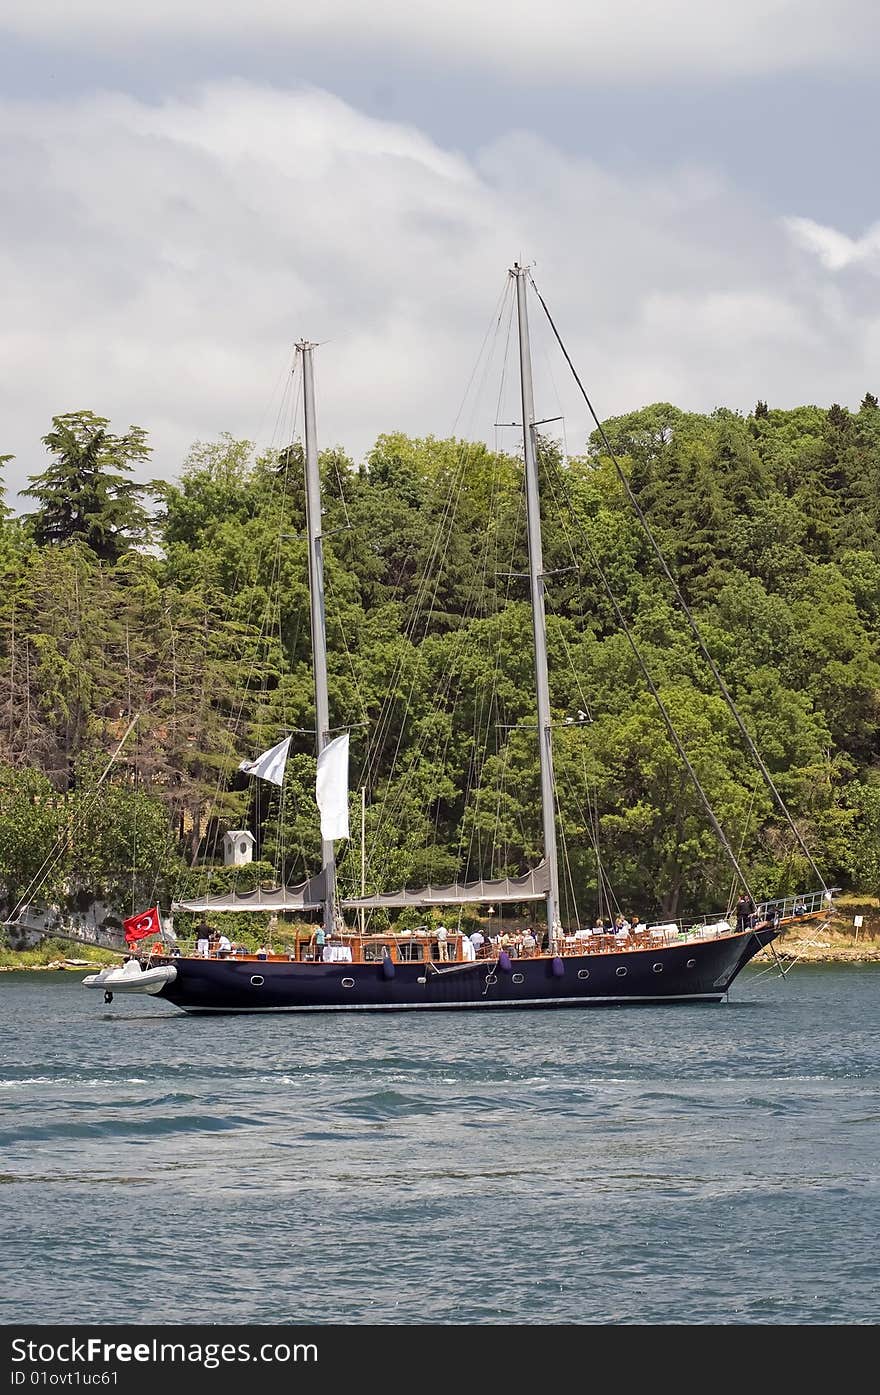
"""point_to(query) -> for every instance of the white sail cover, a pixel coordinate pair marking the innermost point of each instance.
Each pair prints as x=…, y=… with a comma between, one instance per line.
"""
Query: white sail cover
x=533, y=886
x=307, y=896
x=331, y=788
x=270, y=765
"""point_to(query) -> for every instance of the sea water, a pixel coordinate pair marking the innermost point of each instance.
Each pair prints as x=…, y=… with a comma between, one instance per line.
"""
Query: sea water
x=682, y=1164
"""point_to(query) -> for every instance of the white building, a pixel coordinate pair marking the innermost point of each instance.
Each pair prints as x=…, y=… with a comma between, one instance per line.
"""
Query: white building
x=238, y=847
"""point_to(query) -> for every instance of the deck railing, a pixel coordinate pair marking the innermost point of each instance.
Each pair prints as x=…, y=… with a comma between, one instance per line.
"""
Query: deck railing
x=780, y=908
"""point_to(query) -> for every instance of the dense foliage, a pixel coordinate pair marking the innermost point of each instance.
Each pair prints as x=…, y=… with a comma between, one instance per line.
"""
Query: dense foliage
x=187, y=603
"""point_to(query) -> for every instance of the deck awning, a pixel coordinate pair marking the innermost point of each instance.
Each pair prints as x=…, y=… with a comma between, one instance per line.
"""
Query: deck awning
x=533, y=886
x=309, y=895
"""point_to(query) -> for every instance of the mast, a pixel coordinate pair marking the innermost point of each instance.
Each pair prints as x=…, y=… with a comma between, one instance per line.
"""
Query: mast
x=536, y=586
x=316, y=595
x=363, y=853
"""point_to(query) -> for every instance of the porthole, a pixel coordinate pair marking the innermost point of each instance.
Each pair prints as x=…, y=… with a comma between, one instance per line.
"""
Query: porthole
x=518, y=978
x=421, y=980
x=491, y=978
x=621, y=972
x=583, y=973
x=658, y=968
x=257, y=980
x=692, y=963
x=348, y=983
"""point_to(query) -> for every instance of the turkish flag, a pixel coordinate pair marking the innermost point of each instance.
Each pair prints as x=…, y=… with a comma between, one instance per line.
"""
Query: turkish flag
x=137, y=927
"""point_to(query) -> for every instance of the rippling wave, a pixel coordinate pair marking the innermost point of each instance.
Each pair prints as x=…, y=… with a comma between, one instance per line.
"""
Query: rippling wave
x=703, y=1165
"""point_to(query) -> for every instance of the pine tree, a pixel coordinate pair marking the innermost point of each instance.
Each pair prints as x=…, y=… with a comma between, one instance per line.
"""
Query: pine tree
x=83, y=494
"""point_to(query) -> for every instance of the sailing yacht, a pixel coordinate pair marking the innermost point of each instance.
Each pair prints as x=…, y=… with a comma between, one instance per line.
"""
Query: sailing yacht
x=361, y=972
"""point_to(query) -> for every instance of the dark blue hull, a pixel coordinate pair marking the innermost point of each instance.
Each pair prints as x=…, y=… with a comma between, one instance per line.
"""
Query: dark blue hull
x=695, y=971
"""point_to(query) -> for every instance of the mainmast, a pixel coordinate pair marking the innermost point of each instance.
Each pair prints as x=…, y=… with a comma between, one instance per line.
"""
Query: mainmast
x=316, y=594
x=539, y=621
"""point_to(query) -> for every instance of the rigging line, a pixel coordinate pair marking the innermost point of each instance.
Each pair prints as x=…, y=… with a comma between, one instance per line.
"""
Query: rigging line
x=504, y=365
x=62, y=842
x=746, y=822
x=603, y=886
x=548, y=595
x=493, y=325
x=414, y=657
x=606, y=894
x=772, y=947
x=485, y=704
x=418, y=602
x=338, y=617
x=480, y=613
x=408, y=652
x=258, y=641
x=256, y=506
x=502, y=617
x=450, y=508
x=561, y=418
x=566, y=860
x=421, y=608
x=684, y=606
x=722, y=837
x=395, y=795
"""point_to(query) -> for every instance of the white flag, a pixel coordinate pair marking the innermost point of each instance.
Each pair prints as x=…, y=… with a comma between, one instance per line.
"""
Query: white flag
x=331, y=788
x=270, y=765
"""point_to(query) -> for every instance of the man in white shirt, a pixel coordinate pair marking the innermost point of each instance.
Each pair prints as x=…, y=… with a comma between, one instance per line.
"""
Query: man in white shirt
x=478, y=939
x=442, y=947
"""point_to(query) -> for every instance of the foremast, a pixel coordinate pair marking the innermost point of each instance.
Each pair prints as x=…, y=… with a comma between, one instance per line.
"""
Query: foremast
x=316, y=602
x=539, y=620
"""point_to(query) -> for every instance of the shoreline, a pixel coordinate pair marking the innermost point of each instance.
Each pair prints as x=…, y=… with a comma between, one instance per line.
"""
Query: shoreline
x=823, y=951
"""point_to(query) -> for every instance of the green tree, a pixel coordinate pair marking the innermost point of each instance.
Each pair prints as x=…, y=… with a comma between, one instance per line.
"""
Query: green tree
x=4, y=507
x=83, y=493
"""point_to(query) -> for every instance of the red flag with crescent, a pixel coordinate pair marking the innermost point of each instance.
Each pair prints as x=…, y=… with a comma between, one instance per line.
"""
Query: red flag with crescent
x=137, y=927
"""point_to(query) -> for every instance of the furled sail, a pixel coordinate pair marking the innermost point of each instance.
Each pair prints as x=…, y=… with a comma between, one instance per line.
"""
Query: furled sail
x=530, y=887
x=307, y=896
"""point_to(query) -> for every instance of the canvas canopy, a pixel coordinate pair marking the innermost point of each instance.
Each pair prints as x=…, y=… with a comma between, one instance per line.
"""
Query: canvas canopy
x=531, y=887
x=308, y=896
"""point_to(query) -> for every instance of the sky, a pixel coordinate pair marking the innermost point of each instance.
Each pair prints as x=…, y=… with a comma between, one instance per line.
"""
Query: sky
x=190, y=187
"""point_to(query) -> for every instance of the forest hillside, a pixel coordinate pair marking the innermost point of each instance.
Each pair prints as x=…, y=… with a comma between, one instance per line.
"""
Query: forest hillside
x=185, y=604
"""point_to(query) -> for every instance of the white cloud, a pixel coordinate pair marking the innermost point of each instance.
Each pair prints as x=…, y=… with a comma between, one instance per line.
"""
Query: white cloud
x=622, y=39
x=834, y=249
x=159, y=260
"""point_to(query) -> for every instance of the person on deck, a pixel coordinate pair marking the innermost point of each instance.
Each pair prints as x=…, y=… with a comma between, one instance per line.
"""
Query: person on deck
x=203, y=940
x=636, y=927
x=745, y=909
x=468, y=951
x=442, y=948
x=478, y=940
x=224, y=946
x=528, y=943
